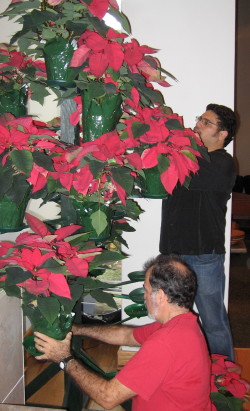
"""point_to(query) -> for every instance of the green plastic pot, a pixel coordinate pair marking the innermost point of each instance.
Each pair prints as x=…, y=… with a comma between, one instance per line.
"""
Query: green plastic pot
x=152, y=186
x=58, y=329
x=100, y=117
x=95, y=219
x=58, y=54
x=12, y=213
x=14, y=102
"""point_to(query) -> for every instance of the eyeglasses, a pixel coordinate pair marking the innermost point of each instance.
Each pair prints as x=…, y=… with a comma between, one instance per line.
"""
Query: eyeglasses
x=204, y=121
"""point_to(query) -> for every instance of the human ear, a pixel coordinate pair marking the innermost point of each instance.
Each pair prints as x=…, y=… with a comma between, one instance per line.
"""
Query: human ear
x=223, y=135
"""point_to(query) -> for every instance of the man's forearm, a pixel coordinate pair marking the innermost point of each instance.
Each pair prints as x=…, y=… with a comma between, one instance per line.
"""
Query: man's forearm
x=106, y=393
x=111, y=334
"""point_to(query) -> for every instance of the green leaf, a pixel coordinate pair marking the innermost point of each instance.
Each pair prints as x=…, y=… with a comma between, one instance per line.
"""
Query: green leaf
x=77, y=28
x=163, y=163
x=122, y=18
x=95, y=166
x=138, y=129
x=16, y=275
x=52, y=265
x=106, y=257
x=125, y=227
x=23, y=160
x=154, y=96
x=226, y=403
x=12, y=291
x=174, y=124
x=98, y=25
x=43, y=160
x=49, y=308
x=122, y=176
x=188, y=154
x=131, y=209
x=96, y=90
x=103, y=297
x=99, y=221
x=91, y=284
x=68, y=304
x=39, y=92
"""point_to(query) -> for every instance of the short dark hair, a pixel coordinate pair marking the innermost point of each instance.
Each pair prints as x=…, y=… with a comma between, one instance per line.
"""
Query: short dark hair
x=174, y=277
x=227, y=120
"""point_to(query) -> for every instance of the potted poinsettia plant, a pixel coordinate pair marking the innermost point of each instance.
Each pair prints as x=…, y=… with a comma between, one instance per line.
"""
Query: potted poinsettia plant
x=228, y=389
x=47, y=268
x=50, y=28
x=18, y=80
x=22, y=145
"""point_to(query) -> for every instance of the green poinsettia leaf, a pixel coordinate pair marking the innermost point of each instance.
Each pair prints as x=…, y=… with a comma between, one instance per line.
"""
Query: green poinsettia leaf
x=188, y=154
x=125, y=227
x=226, y=403
x=138, y=129
x=163, y=163
x=12, y=290
x=23, y=160
x=98, y=25
x=96, y=90
x=38, y=92
x=54, y=266
x=122, y=176
x=77, y=28
x=18, y=8
x=43, y=160
x=49, y=307
x=110, y=88
x=16, y=275
x=95, y=166
x=154, y=96
x=91, y=284
x=187, y=181
x=104, y=297
x=48, y=34
x=131, y=209
x=122, y=18
x=174, y=124
x=76, y=291
x=36, y=18
x=3, y=59
x=106, y=257
x=99, y=221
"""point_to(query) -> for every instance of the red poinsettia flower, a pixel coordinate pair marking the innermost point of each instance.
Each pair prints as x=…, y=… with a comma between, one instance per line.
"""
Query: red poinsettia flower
x=99, y=7
x=100, y=52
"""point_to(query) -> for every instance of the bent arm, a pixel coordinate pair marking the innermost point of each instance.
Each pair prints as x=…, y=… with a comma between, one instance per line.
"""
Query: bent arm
x=111, y=334
x=106, y=393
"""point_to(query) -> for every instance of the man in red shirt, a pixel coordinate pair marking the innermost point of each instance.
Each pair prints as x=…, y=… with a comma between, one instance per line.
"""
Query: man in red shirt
x=171, y=371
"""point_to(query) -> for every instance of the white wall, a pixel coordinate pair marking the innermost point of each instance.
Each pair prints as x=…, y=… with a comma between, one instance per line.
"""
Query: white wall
x=196, y=39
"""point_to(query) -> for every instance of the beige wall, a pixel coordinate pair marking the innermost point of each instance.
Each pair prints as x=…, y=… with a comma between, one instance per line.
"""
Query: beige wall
x=11, y=353
x=242, y=143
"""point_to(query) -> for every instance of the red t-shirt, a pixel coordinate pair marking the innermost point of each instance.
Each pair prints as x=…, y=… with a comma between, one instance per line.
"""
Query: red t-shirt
x=171, y=371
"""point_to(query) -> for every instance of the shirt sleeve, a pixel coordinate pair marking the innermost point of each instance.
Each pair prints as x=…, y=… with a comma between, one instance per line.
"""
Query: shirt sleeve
x=218, y=174
x=146, y=370
x=143, y=332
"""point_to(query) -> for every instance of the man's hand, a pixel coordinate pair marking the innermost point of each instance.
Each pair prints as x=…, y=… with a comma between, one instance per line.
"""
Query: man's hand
x=53, y=350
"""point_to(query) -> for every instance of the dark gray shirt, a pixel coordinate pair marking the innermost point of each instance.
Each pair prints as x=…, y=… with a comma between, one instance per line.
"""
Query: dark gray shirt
x=193, y=219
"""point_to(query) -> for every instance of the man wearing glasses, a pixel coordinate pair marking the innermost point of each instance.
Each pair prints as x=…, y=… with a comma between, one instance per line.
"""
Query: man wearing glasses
x=193, y=224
